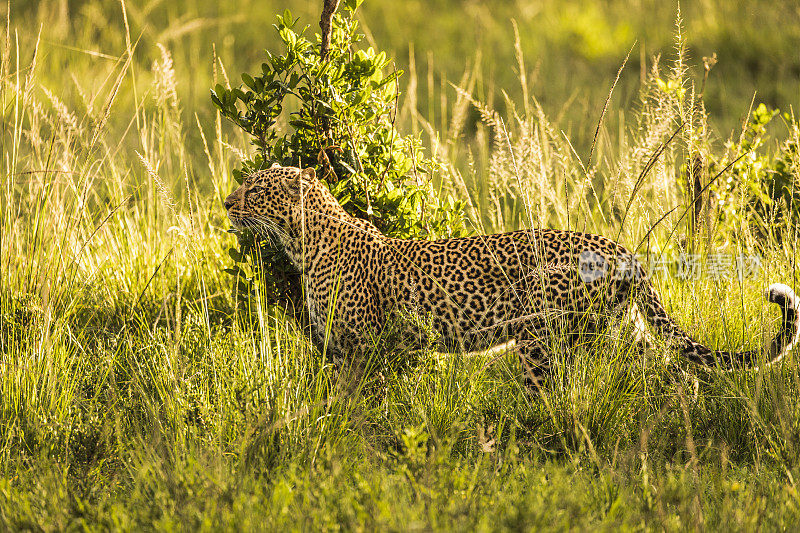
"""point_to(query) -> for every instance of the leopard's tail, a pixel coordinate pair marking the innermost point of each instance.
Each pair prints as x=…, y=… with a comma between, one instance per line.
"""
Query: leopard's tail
x=783, y=341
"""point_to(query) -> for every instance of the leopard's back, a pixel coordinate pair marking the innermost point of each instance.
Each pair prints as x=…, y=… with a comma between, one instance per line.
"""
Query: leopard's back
x=474, y=289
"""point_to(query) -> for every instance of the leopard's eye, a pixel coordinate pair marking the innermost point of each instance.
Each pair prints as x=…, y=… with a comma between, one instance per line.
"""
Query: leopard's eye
x=256, y=189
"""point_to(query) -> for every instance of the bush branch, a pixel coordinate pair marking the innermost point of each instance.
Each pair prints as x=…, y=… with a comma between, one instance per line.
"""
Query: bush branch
x=328, y=9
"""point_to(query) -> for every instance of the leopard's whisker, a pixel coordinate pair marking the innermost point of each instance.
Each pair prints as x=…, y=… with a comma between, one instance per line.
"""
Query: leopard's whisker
x=264, y=228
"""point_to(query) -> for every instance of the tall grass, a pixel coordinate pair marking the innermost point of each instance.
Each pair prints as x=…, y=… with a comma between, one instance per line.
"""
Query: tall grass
x=140, y=389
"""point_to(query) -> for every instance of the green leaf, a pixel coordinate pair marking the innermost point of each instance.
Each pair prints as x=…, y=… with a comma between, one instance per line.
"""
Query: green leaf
x=235, y=255
x=216, y=100
x=301, y=124
x=238, y=175
x=388, y=79
x=352, y=5
x=288, y=37
x=248, y=80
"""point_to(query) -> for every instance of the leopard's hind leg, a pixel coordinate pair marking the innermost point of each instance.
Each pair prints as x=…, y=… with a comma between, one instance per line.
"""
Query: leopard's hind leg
x=537, y=341
x=535, y=361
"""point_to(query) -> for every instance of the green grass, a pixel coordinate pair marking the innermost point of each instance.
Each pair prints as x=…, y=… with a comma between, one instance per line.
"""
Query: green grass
x=140, y=390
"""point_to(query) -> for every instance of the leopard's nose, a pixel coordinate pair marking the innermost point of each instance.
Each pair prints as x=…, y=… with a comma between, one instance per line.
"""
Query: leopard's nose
x=229, y=202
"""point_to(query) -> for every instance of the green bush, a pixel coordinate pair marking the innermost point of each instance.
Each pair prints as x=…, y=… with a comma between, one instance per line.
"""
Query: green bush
x=762, y=183
x=339, y=115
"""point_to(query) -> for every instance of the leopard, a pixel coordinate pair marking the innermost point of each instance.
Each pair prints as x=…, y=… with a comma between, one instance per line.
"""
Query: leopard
x=475, y=292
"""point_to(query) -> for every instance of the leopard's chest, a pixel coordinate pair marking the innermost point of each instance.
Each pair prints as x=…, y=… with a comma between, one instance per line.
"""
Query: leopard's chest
x=318, y=293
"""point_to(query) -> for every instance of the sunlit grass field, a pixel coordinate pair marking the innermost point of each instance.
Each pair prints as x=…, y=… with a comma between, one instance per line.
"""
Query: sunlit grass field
x=140, y=389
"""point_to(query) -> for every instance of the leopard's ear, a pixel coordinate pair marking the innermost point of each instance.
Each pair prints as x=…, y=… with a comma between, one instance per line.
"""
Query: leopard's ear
x=297, y=181
x=275, y=165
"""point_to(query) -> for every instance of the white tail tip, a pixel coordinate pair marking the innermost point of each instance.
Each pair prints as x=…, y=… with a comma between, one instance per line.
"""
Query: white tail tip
x=783, y=295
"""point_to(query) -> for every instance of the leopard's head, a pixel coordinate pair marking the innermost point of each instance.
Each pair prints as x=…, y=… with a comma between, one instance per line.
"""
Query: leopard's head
x=270, y=200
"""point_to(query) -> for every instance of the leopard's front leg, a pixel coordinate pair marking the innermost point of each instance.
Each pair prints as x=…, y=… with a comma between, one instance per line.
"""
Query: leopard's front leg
x=347, y=326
